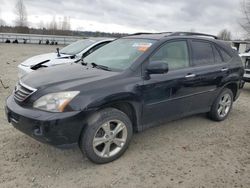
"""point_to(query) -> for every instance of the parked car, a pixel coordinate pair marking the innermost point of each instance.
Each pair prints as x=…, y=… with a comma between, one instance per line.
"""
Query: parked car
x=246, y=61
x=69, y=54
x=127, y=86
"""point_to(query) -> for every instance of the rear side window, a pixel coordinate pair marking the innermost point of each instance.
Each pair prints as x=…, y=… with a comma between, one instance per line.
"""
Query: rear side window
x=226, y=57
x=202, y=53
x=217, y=56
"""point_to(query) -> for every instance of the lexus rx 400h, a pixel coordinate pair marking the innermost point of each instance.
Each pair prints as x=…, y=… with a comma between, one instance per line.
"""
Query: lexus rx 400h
x=127, y=86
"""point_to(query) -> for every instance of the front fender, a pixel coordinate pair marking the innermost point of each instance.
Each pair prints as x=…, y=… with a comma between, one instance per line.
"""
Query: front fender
x=92, y=104
x=114, y=98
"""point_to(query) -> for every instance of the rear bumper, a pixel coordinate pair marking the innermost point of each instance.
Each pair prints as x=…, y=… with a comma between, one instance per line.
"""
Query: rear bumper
x=58, y=129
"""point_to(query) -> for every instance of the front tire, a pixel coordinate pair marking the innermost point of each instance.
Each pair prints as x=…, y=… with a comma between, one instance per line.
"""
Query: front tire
x=106, y=136
x=222, y=105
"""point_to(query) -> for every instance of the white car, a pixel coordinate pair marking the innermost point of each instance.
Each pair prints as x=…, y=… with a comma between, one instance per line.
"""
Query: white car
x=69, y=54
x=246, y=61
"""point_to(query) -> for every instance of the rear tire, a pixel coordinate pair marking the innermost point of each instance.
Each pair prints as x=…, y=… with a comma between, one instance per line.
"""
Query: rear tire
x=106, y=136
x=222, y=105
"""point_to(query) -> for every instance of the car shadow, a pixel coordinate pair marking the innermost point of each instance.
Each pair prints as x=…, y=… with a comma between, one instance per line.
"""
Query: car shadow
x=72, y=158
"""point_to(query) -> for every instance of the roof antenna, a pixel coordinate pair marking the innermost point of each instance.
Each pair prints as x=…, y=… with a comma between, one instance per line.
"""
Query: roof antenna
x=58, y=52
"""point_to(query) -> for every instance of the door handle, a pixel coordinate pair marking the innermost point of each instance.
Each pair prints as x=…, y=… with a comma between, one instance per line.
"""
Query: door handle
x=190, y=76
x=224, y=69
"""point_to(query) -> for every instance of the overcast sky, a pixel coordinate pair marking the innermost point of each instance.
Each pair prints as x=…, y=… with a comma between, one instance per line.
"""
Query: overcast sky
x=130, y=16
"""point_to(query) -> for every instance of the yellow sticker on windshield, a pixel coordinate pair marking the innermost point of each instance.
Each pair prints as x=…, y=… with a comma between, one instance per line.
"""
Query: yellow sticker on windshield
x=142, y=47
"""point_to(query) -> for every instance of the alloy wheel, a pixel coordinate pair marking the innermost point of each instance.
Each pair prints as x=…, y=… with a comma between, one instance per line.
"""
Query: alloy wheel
x=224, y=105
x=110, y=138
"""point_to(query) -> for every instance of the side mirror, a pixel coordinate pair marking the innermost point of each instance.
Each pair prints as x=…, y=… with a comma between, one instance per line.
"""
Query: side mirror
x=157, y=67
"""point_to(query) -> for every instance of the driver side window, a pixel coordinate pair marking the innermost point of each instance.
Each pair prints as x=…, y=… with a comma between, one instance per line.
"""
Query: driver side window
x=175, y=54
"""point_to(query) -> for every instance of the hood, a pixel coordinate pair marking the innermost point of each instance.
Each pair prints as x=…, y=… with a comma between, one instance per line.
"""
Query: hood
x=65, y=76
x=49, y=57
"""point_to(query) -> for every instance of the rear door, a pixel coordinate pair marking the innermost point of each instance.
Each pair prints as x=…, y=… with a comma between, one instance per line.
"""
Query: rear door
x=210, y=70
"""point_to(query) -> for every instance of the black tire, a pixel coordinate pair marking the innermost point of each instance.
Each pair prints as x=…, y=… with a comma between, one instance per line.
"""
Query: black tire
x=95, y=124
x=214, y=114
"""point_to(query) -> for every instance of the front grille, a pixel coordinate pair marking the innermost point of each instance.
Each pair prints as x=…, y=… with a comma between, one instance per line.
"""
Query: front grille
x=247, y=72
x=22, y=92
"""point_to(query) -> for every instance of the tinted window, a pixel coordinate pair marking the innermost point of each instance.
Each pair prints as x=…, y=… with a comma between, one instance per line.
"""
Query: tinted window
x=202, y=53
x=217, y=56
x=173, y=53
x=226, y=57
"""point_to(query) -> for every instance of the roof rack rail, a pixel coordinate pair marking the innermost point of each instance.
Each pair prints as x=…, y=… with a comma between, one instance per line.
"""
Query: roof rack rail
x=178, y=34
x=140, y=34
x=192, y=34
x=144, y=33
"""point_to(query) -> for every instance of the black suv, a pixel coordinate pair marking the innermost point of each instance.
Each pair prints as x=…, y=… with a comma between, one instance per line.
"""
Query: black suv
x=131, y=84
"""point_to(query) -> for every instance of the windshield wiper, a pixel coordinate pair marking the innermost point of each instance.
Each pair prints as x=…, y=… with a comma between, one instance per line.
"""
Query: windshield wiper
x=100, y=67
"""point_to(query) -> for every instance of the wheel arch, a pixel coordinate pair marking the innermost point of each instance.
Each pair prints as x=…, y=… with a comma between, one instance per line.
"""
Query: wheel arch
x=234, y=87
x=127, y=102
x=128, y=108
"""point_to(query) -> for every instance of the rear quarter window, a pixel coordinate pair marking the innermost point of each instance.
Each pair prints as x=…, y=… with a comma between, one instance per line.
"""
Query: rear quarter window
x=217, y=55
x=226, y=57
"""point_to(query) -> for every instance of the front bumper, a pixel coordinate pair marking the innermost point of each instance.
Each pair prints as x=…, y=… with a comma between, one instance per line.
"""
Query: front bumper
x=58, y=129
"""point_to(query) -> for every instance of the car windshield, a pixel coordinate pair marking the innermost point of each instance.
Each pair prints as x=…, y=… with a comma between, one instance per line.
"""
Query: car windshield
x=120, y=54
x=77, y=47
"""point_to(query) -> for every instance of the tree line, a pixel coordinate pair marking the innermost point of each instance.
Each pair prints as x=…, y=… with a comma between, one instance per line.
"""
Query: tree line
x=64, y=27
x=52, y=28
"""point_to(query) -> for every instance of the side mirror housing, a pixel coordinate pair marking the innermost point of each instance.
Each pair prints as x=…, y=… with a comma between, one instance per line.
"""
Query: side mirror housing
x=157, y=67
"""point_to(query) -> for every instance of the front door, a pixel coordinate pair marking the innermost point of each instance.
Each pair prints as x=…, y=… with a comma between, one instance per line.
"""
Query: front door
x=166, y=96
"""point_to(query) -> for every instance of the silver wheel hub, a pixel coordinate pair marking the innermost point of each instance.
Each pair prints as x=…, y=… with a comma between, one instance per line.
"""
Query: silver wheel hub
x=110, y=138
x=224, y=105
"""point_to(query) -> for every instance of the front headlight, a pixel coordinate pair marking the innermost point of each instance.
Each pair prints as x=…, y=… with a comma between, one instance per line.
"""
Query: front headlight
x=55, y=102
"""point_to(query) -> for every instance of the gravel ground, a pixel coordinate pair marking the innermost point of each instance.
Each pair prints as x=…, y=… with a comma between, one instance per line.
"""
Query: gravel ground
x=192, y=152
